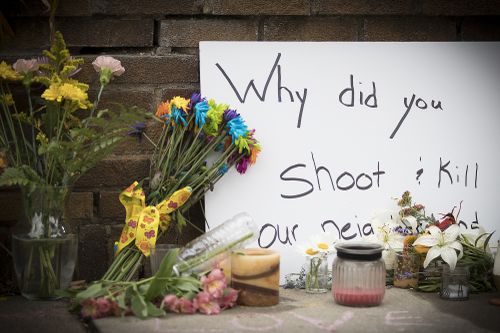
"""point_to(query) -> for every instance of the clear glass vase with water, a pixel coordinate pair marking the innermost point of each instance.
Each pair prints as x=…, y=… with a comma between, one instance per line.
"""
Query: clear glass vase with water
x=43, y=248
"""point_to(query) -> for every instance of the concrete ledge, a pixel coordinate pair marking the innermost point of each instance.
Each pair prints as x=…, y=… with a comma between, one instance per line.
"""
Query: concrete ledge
x=401, y=311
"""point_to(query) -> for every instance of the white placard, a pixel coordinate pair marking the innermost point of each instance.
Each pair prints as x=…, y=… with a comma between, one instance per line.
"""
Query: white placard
x=346, y=126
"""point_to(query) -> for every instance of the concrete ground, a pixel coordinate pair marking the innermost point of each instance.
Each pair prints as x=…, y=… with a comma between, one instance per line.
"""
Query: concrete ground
x=401, y=311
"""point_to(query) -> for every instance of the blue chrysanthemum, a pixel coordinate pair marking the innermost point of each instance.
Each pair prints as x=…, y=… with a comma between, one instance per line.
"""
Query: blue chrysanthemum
x=237, y=128
x=200, y=113
x=177, y=115
x=219, y=147
x=223, y=169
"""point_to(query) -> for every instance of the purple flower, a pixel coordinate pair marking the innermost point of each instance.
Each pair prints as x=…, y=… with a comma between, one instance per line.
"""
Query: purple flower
x=242, y=165
x=137, y=130
x=230, y=114
x=195, y=99
x=44, y=61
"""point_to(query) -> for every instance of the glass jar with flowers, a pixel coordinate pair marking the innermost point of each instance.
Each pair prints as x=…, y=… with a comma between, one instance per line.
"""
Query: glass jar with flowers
x=316, y=265
x=48, y=146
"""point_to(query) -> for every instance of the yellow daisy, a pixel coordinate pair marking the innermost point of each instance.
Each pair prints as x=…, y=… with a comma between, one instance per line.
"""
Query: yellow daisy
x=8, y=73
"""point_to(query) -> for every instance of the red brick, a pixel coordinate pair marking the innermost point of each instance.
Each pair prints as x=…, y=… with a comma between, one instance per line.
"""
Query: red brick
x=461, y=7
x=81, y=205
x=481, y=29
x=188, y=33
x=148, y=69
x=186, y=92
x=147, y=7
x=140, y=96
x=33, y=33
x=11, y=206
x=116, y=171
x=257, y=7
x=110, y=206
x=310, y=29
x=363, y=7
x=92, y=252
x=37, y=8
x=410, y=28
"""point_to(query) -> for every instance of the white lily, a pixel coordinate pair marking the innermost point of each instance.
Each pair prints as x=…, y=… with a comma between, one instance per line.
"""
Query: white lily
x=384, y=223
x=410, y=221
x=442, y=243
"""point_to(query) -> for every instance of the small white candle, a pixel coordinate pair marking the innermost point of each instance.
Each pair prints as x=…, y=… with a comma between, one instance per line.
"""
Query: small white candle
x=457, y=291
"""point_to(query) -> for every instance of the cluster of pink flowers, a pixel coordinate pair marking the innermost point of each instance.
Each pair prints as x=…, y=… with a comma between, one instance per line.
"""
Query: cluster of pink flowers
x=214, y=297
x=100, y=307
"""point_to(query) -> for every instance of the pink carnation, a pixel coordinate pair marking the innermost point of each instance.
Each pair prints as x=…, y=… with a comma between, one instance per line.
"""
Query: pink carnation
x=187, y=306
x=207, y=304
x=114, y=65
x=103, y=306
x=214, y=283
x=89, y=308
x=171, y=303
x=25, y=66
x=229, y=298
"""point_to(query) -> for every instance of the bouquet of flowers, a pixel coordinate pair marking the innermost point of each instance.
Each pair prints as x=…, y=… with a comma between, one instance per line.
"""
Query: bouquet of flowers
x=152, y=297
x=46, y=145
x=439, y=241
x=192, y=131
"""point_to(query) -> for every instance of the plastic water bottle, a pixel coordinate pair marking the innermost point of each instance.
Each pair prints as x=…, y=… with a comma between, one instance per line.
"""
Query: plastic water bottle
x=210, y=249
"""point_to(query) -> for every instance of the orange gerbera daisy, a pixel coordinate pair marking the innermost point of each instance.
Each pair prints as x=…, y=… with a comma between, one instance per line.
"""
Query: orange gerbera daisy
x=163, y=109
x=254, y=151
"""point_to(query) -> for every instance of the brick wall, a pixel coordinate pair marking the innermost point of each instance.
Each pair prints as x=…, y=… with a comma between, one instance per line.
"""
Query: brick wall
x=157, y=42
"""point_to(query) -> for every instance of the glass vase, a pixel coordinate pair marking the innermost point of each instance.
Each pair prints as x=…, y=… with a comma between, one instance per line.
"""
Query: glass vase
x=406, y=269
x=43, y=248
x=455, y=284
x=317, y=273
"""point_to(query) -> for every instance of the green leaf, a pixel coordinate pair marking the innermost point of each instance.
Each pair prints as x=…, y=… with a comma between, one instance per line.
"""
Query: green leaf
x=139, y=306
x=66, y=293
x=165, y=271
x=21, y=176
x=188, y=284
x=487, y=241
x=120, y=299
x=102, y=113
x=153, y=311
x=181, y=221
x=93, y=291
x=478, y=238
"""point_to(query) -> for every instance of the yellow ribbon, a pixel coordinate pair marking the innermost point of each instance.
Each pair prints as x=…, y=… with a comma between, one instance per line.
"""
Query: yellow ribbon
x=141, y=222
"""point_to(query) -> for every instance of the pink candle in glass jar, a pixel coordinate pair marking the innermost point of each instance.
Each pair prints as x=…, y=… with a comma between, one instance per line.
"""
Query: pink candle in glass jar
x=358, y=274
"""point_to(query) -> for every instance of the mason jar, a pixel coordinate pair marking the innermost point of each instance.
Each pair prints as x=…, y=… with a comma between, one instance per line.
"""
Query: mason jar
x=358, y=274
